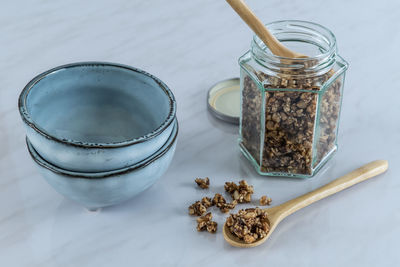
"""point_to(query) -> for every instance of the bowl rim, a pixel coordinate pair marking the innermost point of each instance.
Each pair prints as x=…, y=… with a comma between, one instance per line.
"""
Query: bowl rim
x=27, y=119
x=107, y=174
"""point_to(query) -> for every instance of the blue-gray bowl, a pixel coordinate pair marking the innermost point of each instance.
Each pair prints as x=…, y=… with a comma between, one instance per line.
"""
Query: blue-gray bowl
x=97, y=190
x=96, y=116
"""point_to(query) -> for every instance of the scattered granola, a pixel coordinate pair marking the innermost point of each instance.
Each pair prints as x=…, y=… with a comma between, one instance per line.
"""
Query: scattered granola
x=205, y=223
x=264, y=200
x=240, y=193
x=197, y=209
x=249, y=225
x=203, y=183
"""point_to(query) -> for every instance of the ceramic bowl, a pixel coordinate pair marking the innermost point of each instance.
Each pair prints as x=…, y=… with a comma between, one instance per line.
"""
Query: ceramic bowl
x=94, y=116
x=102, y=189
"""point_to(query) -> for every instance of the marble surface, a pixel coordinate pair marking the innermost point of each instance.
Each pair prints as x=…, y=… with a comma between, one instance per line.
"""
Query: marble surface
x=191, y=45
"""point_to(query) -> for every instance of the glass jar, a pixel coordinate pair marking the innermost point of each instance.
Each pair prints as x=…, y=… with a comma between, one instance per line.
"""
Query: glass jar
x=290, y=107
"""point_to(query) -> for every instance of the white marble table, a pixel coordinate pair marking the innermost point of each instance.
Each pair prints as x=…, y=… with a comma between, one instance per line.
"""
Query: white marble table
x=190, y=45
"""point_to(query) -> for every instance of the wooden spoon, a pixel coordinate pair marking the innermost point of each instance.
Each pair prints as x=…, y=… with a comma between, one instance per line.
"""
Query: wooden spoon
x=276, y=47
x=278, y=213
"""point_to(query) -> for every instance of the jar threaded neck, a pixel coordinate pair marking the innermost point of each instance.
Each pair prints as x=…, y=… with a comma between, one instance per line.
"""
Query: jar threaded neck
x=311, y=39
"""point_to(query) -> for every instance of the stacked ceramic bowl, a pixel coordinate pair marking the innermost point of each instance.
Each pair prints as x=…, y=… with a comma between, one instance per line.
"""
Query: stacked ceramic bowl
x=100, y=133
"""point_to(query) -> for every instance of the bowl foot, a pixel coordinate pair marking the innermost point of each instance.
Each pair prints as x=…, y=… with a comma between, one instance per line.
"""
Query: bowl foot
x=93, y=209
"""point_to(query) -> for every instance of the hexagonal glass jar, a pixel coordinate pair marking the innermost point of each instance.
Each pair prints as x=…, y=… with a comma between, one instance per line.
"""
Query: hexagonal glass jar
x=290, y=108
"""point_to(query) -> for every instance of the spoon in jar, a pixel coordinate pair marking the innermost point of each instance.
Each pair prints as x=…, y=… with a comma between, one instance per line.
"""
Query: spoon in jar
x=276, y=47
x=278, y=213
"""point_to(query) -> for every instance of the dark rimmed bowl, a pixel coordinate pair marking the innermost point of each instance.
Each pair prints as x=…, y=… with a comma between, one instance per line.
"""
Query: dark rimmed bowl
x=102, y=189
x=96, y=116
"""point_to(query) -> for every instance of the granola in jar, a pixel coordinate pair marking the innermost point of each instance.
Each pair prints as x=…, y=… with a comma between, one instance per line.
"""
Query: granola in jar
x=291, y=107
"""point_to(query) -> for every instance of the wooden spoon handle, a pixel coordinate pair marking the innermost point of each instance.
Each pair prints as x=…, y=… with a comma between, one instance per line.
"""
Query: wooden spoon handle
x=361, y=174
x=260, y=30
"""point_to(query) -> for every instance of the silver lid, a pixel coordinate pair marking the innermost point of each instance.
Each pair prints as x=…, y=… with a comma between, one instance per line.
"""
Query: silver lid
x=223, y=100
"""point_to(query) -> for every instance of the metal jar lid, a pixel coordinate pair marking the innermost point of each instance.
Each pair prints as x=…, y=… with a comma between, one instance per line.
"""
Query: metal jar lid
x=223, y=100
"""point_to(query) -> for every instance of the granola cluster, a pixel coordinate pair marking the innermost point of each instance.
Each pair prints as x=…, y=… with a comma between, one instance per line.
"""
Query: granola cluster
x=205, y=223
x=220, y=202
x=289, y=122
x=264, y=200
x=251, y=118
x=240, y=193
x=197, y=209
x=249, y=225
x=203, y=183
x=207, y=202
